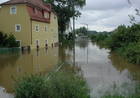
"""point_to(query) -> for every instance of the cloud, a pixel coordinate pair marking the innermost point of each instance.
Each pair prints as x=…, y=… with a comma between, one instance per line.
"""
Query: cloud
x=106, y=15
x=106, y=4
x=1, y=1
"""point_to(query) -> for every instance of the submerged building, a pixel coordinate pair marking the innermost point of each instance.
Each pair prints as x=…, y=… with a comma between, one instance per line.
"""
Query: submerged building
x=32, y=22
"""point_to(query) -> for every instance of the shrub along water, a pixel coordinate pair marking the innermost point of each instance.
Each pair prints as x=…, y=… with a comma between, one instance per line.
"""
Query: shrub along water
x=125, y=41
x=8, y=41
x=58, y=85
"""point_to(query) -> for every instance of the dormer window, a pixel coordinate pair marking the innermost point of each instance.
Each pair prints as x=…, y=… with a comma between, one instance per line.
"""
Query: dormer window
x=13, y=10
x=35, y=10
x=46, y=15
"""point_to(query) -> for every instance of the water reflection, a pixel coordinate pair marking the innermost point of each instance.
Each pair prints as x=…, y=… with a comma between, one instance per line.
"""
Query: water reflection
x=26, y=63
x=121, y=64
x=82, y=44
x=105, y=72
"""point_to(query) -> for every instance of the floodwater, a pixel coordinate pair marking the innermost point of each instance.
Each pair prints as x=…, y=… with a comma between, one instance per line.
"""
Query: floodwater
x=105, y=72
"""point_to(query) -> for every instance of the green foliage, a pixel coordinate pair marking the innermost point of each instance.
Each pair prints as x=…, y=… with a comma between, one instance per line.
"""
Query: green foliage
x=65, y=11
x=3, y=39
x=67, y=85
x=67, y=38
x=113, y=96
x=99, y=37
x=131, y=52
x=81, y=31
x=11, y=41
x=57, y=85
x=118, y=38
x=31, y=87
x=8, y=41
x=124, y=40
x=122, y=36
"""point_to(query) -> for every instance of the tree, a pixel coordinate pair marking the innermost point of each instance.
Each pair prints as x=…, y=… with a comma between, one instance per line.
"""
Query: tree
x=81, y=31
x=8, y=41
x=65, y=10
x=132, y=17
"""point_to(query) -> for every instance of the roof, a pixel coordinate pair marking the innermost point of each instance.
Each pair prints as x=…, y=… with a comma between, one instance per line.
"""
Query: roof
x=36, y=3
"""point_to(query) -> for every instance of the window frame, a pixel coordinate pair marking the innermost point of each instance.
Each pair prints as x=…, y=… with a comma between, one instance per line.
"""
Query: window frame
x=11, y=10
x=16, y=27
x=36, y=28
x=46, y=15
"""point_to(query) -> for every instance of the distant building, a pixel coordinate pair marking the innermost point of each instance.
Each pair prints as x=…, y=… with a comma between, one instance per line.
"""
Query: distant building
x=32, y=22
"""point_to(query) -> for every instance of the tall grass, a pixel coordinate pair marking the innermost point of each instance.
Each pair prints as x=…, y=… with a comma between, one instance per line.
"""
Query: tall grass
x=59, y=85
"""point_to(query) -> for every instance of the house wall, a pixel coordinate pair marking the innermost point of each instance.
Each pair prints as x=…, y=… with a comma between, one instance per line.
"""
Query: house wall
x=51, y=35
x=8, y=21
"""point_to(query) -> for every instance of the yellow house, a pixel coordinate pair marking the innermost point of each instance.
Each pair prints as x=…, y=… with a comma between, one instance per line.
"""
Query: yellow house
x=32, y=22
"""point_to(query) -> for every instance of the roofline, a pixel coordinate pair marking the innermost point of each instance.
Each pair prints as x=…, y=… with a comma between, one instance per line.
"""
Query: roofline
x=27, y=3
x=39, y=20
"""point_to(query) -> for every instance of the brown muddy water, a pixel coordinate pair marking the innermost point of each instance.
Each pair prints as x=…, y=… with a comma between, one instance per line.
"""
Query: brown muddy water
x=105, y=72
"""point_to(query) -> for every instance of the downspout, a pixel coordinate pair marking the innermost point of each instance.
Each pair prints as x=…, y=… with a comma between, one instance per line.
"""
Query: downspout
x=31, y=32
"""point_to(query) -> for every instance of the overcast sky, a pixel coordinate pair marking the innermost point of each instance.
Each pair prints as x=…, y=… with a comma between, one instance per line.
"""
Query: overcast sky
x=105, y=15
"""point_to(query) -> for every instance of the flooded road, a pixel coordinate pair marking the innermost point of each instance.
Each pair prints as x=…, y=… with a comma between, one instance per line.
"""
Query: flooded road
x=105, y=72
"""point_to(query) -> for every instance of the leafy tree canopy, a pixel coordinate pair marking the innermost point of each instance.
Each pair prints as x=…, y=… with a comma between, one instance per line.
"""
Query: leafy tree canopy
x=65, y=10
x=81, y=31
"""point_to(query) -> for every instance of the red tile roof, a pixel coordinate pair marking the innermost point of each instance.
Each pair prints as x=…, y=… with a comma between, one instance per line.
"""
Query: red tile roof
x=37, y=3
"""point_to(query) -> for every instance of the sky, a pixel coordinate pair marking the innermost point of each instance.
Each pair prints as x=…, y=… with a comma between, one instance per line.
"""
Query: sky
x=105, y=15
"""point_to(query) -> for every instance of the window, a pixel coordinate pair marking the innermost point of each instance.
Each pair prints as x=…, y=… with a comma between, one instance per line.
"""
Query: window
x=13, y=10
x=46, y=15
x=35, y=10
x=17, y=27
x=37, y=28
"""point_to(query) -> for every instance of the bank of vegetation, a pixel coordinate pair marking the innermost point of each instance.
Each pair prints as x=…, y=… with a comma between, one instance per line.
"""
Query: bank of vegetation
x=124, y=40
x=8, y=41
x=66, y=83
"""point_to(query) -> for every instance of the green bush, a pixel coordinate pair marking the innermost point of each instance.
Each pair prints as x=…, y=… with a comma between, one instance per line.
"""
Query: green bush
x=126, y=41
x=118, y=38
x=11, y=41
x=8, y=41
x=123, y=35
x=67, y=85
x=30, y=87
x=99, y=37
x=58, y=85
x=3, y=39
x=131, y=52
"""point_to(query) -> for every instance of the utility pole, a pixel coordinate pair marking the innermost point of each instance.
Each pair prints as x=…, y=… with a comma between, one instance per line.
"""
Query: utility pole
x=73, y=33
